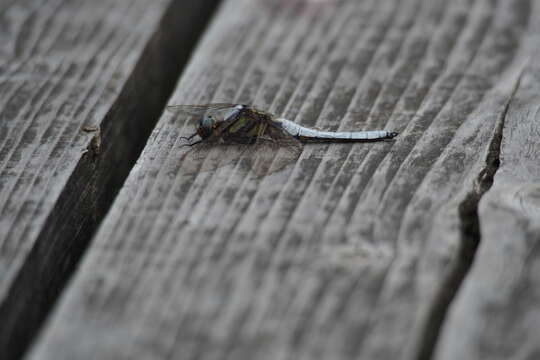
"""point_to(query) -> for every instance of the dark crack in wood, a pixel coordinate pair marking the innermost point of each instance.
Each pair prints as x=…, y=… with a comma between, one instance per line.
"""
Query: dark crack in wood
x=470, y=238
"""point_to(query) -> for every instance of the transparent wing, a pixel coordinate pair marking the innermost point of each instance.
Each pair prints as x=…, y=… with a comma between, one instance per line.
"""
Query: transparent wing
x=201, y=109
x=273, y=150
x=282, y=139
x=269, y=154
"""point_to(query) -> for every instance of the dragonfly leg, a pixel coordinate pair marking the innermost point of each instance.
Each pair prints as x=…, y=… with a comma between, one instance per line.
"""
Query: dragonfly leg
x=188, y=138
x=192, y=144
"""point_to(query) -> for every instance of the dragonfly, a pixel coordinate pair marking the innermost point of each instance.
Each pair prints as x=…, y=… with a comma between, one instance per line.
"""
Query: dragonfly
x=226, y=123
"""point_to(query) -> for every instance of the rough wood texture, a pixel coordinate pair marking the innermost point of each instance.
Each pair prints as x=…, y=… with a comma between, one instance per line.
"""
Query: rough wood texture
x=82, y=84
x=354, y=251
x=496, y=315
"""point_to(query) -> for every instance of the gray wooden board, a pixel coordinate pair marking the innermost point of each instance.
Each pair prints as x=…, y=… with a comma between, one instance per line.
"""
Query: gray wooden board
x=346, y=253
x=497, y=313
x=82, y=84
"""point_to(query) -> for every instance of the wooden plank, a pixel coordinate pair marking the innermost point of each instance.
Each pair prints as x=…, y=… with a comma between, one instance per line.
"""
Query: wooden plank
x=495, y=315
x=81, y=86
x=346, y=253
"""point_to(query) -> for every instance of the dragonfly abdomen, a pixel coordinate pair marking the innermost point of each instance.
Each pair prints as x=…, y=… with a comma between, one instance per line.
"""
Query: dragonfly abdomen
x=304, y=133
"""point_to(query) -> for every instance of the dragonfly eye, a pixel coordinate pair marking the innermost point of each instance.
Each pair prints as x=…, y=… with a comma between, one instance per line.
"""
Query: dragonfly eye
x=205, y=126
x=207, y=122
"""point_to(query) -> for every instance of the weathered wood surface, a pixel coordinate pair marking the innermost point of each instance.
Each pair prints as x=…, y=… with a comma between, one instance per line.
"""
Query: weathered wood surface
x=497, y=313
x=354, y=251
x=82, y=84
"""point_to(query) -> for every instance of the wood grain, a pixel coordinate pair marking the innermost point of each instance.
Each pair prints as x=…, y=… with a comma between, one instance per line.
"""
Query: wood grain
x=495, y=315
x=81, y=86
x=354, y=251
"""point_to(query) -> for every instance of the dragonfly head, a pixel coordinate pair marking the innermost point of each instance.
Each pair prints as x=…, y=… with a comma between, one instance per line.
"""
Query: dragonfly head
x=206, y=125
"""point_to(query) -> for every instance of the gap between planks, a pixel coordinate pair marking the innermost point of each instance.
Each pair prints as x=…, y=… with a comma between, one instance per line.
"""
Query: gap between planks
x=99, y=174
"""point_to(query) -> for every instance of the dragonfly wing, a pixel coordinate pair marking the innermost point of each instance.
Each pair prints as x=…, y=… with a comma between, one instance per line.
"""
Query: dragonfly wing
x=196, y=110
x=209, y=157
x=283, y=139
x=262, y=158
x=270, y=158
x=273, y=151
